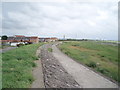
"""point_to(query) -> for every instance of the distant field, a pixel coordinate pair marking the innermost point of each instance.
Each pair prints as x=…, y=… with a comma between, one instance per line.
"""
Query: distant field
x=17, y=66
x=101, y=57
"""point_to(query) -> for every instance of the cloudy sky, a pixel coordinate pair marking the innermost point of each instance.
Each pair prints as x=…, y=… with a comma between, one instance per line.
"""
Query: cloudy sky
x=92, y=20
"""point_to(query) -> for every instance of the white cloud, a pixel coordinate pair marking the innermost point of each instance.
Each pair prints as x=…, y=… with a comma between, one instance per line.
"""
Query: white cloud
x=102, y=15
x=91, y=23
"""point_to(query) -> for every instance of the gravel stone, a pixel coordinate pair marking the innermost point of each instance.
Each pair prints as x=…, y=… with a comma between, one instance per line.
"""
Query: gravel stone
x=55, y=76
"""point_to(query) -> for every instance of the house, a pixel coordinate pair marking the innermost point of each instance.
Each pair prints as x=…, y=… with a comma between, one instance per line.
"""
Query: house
x=33, y=39
x=20, y=38
x=52, y=39
x=47, y=39
x=41, y=39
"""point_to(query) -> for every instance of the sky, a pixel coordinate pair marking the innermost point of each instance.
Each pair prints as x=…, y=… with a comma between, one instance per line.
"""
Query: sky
x=88, y=20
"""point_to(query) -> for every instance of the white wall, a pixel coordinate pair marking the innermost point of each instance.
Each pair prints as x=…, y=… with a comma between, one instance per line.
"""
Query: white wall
x=14, y=44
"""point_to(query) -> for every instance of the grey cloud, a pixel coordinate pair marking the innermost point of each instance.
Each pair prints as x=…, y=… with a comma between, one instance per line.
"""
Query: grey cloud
x=87, y=20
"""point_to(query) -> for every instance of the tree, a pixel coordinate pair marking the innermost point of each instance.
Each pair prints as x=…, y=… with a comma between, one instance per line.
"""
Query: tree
x=4, y=37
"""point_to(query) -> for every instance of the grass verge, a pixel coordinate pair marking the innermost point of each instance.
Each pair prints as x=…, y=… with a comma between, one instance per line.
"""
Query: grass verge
x=0, y=71
x=101, y=57
x=17, y=66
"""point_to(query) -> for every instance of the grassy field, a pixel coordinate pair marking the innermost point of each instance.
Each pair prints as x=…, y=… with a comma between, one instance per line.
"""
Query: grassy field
x=17, y=66
x=101, y=57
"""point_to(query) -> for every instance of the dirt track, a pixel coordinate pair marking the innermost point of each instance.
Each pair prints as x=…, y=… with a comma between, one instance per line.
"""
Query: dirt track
x=55, y=76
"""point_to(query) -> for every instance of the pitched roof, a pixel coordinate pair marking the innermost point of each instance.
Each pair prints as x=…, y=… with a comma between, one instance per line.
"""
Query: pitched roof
x=34, y=37
x=19, y=36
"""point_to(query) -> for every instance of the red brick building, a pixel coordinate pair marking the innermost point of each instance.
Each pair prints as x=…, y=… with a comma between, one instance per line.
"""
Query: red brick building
x=52, y=39
x=34, y=39
x=21, y=38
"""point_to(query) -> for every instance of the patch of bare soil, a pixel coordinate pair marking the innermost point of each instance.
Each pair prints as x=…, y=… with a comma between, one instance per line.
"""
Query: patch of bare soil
x=38, y=73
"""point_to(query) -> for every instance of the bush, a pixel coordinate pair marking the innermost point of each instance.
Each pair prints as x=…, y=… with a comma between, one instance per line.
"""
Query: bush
x=102, y=70
x=34, y=64
x=18, y=45
x=102, y=56
x=66, y=52
x=92, y=64
x=75, y=45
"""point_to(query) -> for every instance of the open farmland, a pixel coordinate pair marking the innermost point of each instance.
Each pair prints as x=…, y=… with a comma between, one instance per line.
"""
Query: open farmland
x=17, y=66
x=100, y=57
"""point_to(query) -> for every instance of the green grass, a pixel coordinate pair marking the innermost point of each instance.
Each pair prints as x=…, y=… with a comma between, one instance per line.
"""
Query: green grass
x=17, y=66
x=50, y=49
x=0, y=71
x=101, y=57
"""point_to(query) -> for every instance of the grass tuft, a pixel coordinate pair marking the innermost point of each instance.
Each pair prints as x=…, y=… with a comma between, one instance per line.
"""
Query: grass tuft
x=50, y=49
x=92, y=64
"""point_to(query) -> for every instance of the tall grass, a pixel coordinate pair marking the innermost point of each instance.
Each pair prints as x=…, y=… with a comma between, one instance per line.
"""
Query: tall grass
x=101, y=57
x=17, y=66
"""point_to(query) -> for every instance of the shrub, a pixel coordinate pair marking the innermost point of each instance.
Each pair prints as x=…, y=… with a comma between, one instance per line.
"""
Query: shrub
x=66, y=52
x=102, y=70
x=102, y=56
x=34, y=64
x=18, y=45
x=76, y=45
x=92, y=64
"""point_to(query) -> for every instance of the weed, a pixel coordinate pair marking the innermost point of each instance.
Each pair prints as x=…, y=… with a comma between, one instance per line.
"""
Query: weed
x=50, y=49
x=92, y=64
x=102, y=70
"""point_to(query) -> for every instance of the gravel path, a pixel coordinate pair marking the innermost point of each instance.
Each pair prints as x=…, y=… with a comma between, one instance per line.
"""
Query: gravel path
x=83, y=76
x=55, y=76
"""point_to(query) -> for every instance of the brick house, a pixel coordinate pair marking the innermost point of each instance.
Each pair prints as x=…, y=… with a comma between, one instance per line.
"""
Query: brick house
x=17, y=39
x=52, y=39
x=20, y=38
x=33, y=39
